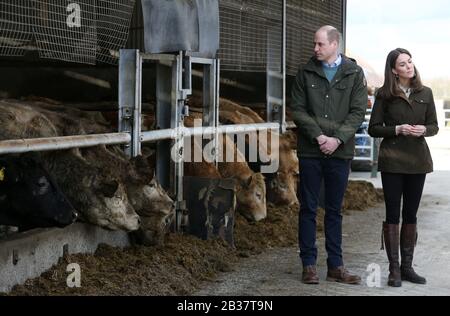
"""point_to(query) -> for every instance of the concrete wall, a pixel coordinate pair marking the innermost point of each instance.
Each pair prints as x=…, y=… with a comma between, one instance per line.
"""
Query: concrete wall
x=27, y=255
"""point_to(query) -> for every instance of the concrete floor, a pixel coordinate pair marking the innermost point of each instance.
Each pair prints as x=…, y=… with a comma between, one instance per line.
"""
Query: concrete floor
x=278, y=272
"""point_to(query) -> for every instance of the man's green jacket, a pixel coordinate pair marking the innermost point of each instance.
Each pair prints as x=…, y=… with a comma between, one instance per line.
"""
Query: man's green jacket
x=335, y=109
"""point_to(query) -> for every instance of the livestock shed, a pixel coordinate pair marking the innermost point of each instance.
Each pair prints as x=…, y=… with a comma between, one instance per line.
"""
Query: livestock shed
x=42, y=32
x=97, y=50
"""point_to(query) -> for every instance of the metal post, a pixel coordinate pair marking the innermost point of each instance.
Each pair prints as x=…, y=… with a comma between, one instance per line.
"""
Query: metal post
x=276, y=77
x=164, y=101
x=374, y=158
x=171, y=94
x=130, y=100
x=283, y=127
x=344, y=25
x=211, y=101
x=179, y=95
x=217, y=109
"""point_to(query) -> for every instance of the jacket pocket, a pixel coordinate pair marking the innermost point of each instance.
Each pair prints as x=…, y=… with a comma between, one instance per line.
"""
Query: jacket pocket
x=341, y=86
x=420, y=110
x=314, y=86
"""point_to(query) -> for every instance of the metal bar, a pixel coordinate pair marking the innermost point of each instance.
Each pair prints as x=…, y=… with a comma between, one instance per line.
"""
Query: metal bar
x=178, y=96
x=158, y=57
x=283, y=69
x=374, y=158
x=137, y=114
x=163, y=112
x=158, y=135
x=18, y=146
x=130, y=83
x=172, y=134
x=446, y=118
x=204, y=61
x=363, y=159
x=344, y=25
x=217, y=110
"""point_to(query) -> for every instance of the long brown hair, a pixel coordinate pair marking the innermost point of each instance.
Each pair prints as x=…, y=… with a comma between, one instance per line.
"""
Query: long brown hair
x=391, y=88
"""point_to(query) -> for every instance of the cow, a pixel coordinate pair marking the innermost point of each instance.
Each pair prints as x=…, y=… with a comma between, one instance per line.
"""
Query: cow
x=250, y=190
x=19, y=120
x=100, y=198
x=144, y=195
x=281, y=185
x=156, y=210
x=30, y=197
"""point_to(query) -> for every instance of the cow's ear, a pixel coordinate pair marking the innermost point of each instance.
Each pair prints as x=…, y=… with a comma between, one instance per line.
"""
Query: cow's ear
x=2, y=174
x=8, y=172
x=248, y=182
x=109, y=188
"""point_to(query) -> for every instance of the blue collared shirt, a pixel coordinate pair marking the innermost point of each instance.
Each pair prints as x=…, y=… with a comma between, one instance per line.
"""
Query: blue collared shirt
x=336, y=64
x=330, y=70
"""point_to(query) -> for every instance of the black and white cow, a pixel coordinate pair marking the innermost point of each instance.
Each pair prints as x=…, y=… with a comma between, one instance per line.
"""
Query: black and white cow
x=29, y=197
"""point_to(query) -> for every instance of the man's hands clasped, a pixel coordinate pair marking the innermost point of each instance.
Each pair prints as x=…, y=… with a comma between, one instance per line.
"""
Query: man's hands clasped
x=328, y=145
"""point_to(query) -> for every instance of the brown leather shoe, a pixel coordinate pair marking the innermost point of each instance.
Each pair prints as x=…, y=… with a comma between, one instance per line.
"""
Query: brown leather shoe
x=309, y=275
x=341, y=275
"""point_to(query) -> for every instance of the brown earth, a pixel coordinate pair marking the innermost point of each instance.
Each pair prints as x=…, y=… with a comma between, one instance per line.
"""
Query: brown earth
x=180, y=266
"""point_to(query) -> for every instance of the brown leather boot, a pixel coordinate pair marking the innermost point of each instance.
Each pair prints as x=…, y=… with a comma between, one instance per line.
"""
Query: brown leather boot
x=408, y=240
x=309, y=275
x=341, y=275
x=392, y=240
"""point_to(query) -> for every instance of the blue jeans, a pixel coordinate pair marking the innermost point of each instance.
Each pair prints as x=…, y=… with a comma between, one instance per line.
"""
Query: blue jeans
x=334, y=173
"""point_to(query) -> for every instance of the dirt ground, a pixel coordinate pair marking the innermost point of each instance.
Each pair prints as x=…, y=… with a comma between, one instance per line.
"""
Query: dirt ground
x=158, y=270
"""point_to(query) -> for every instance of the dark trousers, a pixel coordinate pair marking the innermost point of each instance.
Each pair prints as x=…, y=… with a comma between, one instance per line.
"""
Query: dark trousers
x=408, y=186
x=334, y=173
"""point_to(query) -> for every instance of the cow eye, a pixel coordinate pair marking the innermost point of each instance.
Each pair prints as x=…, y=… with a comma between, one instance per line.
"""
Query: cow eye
x=43, y=185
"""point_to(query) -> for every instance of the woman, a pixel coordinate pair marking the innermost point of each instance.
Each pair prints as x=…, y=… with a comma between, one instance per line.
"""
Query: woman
x=404, y=114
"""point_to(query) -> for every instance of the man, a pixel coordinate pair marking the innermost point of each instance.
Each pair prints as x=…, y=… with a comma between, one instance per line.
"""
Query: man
x=329, y=101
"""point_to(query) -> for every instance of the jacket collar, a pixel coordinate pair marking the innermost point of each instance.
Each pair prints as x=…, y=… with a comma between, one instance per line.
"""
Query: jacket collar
x=347, y=67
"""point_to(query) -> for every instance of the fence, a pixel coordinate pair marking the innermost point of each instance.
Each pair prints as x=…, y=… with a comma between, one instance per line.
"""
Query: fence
x=366, y=149
x=447, y=118
x=84, y=31
x=249, y=32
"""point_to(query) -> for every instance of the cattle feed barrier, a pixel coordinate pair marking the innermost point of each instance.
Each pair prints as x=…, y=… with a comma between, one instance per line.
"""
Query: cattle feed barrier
x=18, y=146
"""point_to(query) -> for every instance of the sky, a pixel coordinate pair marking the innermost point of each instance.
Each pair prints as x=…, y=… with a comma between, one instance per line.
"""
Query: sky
x=374, y=28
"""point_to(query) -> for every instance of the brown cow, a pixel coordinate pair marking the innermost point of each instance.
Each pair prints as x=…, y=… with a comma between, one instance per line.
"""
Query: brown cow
x=101, y=182
x=251, y=189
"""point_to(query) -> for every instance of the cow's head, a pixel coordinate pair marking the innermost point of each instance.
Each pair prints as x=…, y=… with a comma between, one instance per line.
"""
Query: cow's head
x=281, y=189
x=31, y=196
x=108, y=204
x=251, y=198
x=156, y=210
